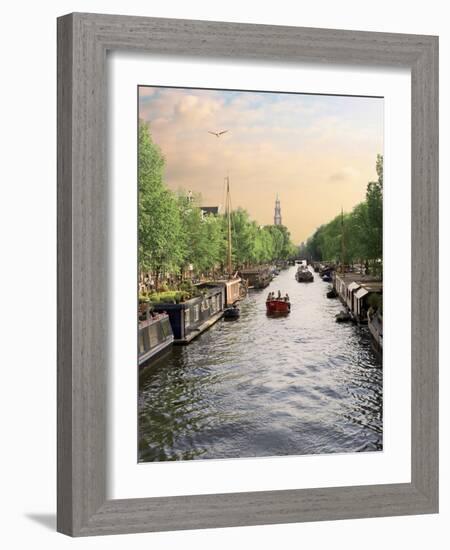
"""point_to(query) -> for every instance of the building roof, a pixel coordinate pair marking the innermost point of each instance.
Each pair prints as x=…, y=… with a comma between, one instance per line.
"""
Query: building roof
x=210, y=209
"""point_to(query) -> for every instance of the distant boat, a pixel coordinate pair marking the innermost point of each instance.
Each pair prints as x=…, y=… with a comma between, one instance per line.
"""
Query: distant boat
x=304, y=275
x=331, y=293
x=278, y=305
x=343, y=317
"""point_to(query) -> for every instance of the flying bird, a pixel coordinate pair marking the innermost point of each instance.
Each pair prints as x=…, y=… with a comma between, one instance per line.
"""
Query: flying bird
x=218, y=134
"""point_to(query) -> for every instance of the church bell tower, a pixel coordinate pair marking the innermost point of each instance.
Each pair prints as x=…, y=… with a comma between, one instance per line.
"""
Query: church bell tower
x=277, y=215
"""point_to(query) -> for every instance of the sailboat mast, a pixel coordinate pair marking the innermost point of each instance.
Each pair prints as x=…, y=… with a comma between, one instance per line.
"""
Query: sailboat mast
x=229, y=228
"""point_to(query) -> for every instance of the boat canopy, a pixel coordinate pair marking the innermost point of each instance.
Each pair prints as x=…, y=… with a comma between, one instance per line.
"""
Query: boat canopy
x=353, y=286
x=361, y=293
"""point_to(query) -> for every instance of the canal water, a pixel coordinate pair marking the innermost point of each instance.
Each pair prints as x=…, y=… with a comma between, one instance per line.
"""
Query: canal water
x=263, y=386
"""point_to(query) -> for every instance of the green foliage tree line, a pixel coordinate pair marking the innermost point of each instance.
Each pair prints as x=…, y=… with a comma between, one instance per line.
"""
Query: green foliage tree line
x=356, y=236
x=174, y=235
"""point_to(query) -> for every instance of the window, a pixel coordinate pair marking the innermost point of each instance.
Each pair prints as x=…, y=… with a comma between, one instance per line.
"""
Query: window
x=141, y=341
x=165, y=325
x=196, y=313
x=187, y=318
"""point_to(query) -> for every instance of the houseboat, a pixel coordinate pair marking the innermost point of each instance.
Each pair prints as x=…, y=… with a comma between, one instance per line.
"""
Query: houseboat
x=155, y=336
x=234, y=290
x=192, y=317
x=375, y=324
x=363, y=296
x=355, y=291
x=326, y=272
x=258, y=277
x=350, y=295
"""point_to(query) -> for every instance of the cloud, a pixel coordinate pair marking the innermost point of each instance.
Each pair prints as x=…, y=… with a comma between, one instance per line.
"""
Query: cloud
x=347, y=173
x=146, y=91
x=287, y=143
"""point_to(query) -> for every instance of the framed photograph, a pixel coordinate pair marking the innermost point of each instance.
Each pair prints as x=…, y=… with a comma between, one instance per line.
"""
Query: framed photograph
x=247, y=274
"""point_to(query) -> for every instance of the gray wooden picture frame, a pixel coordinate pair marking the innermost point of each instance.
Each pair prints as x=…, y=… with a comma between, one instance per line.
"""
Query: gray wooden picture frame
x=83, y=42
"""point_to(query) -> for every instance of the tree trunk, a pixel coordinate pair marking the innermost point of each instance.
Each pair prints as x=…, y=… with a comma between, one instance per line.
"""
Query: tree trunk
x=157, y=273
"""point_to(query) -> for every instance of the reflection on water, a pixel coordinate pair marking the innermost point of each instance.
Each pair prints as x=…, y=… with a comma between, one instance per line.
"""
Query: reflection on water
x=261, y=386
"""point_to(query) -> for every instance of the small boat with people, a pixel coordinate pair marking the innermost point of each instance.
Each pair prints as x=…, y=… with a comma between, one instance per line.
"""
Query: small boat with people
x=276, y=305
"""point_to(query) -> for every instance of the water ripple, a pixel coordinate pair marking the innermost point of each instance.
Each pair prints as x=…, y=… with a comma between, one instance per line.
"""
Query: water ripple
x=261, y=386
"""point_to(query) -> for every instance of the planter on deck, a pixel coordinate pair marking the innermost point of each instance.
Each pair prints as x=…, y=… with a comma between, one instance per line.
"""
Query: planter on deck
x=190, y=318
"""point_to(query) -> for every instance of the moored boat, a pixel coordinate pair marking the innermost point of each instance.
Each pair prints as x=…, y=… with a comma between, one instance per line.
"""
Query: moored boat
x=235, y=290
x=343, y=317
x=192, y=317
x=155, y=336
x=304, y=275
x=331, y=293
x=257, y=278
x=231, y=313
x=235, y=287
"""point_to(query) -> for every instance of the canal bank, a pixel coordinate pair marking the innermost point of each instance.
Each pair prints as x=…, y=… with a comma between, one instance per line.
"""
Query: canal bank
x=263, y=386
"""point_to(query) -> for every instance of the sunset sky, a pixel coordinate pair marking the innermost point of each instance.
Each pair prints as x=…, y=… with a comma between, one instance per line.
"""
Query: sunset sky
x=316, y=152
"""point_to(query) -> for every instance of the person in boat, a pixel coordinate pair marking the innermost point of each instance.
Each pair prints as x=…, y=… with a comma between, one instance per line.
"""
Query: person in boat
x=269, y=297
x=286, y=298
x=279, y=295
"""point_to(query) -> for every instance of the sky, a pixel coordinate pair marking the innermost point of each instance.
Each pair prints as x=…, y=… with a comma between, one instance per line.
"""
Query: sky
x=316, y=152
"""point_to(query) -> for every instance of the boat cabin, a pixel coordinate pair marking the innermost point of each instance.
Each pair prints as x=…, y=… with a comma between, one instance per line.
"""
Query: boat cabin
x=350, y=291
x=232, y=290
x=190, y=318
x=362, y=296
x=257, y=277
x=155, y=336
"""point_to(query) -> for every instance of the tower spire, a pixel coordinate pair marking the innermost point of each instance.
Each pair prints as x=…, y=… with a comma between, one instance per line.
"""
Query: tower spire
x=277, y=214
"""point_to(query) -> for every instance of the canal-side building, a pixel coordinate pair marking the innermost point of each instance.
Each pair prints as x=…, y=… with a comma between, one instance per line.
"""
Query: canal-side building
x=210, y=210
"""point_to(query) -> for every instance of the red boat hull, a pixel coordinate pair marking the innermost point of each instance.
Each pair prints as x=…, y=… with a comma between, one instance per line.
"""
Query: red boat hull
x=278, y=306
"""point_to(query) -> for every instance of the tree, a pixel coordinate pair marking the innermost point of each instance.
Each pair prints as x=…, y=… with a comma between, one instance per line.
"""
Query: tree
x=202, y=235
x=362, y=230
x=159, y=224
x=243, y=237
x=374, y=200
